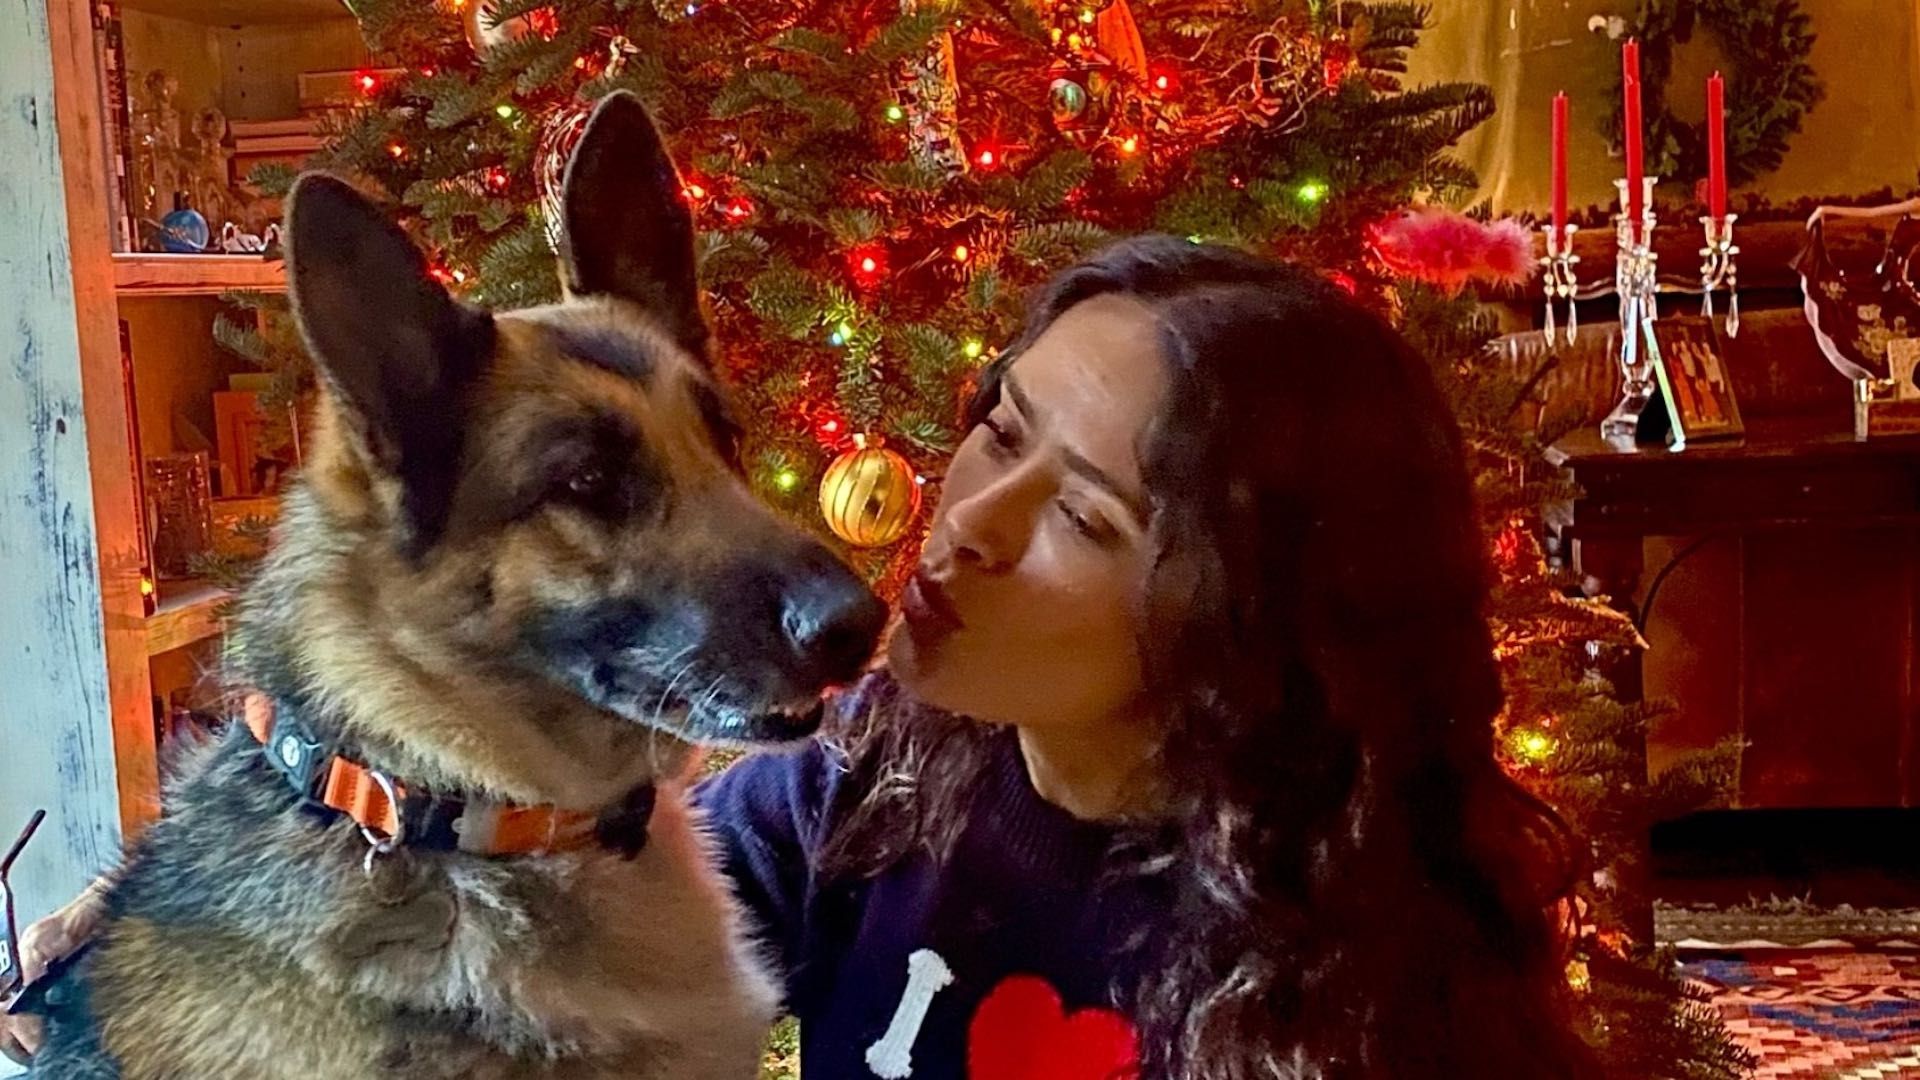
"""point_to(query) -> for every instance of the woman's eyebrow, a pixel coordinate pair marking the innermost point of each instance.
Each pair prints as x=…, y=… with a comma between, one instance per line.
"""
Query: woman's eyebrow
x=1077, y=462
x=1079, y=465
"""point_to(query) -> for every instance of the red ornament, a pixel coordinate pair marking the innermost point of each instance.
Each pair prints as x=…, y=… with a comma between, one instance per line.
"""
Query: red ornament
x=738, y=208
x=497, y=179
x=368, y=82
x=1164, y=79
x=1335, y=61
x=544, y=21
x=1510, y=546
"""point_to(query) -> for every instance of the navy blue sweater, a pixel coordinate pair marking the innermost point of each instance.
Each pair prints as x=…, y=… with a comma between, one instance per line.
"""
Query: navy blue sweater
x=1019, y=916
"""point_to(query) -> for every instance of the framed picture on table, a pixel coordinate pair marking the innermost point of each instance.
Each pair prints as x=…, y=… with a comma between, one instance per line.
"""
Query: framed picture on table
x=1695, y=386
x=1890, y=406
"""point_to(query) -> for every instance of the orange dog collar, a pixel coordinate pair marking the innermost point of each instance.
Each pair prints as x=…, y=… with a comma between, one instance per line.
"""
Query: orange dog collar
x=392, y=813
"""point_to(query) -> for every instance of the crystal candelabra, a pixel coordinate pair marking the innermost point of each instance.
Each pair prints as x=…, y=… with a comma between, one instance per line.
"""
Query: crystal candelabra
x=1635, y=279
x=1560, y=280
x=1717, y=268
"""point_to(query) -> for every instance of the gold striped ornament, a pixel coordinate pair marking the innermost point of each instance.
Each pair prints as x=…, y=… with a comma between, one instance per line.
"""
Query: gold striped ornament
x=869, y=495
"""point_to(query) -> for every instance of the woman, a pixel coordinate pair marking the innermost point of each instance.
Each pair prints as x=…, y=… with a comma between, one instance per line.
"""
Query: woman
x=1182, y=755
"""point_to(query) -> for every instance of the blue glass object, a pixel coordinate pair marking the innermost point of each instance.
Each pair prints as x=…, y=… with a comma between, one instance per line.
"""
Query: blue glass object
x=184, y=231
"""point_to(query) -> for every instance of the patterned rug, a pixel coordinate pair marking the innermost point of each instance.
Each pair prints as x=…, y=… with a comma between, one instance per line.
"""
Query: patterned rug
x=1828, y=1015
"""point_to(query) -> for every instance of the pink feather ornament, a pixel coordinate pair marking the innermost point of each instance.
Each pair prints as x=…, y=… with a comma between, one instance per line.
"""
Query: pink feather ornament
x=1450, y=249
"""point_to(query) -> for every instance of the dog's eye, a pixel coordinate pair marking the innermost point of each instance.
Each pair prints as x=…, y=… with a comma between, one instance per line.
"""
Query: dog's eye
x=587, y=482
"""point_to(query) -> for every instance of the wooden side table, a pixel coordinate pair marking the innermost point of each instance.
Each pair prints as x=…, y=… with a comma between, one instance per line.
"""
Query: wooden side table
x=1806, y=649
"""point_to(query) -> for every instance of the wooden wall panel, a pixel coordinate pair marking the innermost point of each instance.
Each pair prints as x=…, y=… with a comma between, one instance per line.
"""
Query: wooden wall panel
x=1828, y=630
x=69, y=602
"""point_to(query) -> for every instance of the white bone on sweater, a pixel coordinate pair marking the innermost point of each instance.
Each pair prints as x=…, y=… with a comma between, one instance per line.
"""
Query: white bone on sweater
x=891, y=1058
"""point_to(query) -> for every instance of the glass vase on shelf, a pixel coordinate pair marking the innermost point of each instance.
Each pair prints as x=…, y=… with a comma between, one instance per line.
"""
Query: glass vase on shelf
x=180, y=510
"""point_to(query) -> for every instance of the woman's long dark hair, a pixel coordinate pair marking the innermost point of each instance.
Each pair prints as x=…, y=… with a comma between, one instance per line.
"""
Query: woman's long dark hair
x=1356, y=888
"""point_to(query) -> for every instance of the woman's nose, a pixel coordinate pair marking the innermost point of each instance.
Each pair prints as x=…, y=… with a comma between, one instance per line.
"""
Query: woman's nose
x=988, y=530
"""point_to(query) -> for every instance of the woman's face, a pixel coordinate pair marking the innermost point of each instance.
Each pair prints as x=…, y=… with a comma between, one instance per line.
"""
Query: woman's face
x=1025, y=609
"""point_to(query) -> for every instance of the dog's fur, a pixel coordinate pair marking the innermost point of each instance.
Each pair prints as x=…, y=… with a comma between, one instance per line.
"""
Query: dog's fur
x=519, y=563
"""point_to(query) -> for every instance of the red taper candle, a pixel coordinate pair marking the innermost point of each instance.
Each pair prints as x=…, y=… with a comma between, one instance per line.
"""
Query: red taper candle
x=1717, y=145
x=1559, y=162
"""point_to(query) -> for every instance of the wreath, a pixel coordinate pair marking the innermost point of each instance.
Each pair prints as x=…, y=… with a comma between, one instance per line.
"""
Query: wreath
x=1770, y=88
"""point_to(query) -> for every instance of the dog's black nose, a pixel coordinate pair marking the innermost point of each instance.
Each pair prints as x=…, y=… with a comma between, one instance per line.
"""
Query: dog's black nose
x=832, y=621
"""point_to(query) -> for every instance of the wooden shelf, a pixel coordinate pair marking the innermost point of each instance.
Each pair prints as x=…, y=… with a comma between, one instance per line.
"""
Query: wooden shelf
x=141, y=274
x=242, y=12
x=188, y=612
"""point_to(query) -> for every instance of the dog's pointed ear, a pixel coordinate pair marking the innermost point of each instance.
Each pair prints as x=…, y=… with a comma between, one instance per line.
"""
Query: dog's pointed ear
x=396, y=350
x=627, y=230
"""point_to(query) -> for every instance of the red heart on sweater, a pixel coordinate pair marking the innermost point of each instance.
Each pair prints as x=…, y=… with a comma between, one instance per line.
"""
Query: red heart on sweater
x=1021, y=1032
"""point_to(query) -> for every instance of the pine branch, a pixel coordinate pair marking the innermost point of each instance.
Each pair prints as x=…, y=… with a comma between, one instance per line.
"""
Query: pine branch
x=912, y=176
x=854, y=225
x=907, y=36
x=1046, y=185
x=1056, y=244
x=808, y=41
x=786, y=297
x=273, y=179
x=557, y=58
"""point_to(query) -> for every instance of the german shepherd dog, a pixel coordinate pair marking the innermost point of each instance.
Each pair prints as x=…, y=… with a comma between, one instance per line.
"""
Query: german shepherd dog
x=519, y=573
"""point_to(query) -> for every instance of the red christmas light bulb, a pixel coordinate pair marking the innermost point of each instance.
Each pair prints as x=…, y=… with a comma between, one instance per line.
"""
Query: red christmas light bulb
x=867, y=264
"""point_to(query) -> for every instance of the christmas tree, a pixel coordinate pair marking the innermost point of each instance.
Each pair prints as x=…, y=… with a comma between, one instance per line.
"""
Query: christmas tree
x=1563, y=734
x=878, y=183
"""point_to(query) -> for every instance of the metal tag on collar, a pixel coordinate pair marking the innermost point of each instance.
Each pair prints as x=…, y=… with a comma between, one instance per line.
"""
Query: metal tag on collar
x=295, y=754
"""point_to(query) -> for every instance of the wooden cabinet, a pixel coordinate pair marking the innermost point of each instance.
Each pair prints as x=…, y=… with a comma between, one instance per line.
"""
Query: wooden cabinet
x=1778, y=582
x=89, y=640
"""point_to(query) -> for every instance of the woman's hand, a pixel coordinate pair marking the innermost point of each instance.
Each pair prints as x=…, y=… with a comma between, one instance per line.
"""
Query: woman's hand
x=52, y=938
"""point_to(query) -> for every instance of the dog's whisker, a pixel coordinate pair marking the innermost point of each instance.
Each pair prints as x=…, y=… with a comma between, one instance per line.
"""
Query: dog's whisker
x=659, y=705
x=705, y=701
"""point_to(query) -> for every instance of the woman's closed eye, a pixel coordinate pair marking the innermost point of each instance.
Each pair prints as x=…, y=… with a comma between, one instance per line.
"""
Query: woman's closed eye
x=1006, y=437
x=1089, y=523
